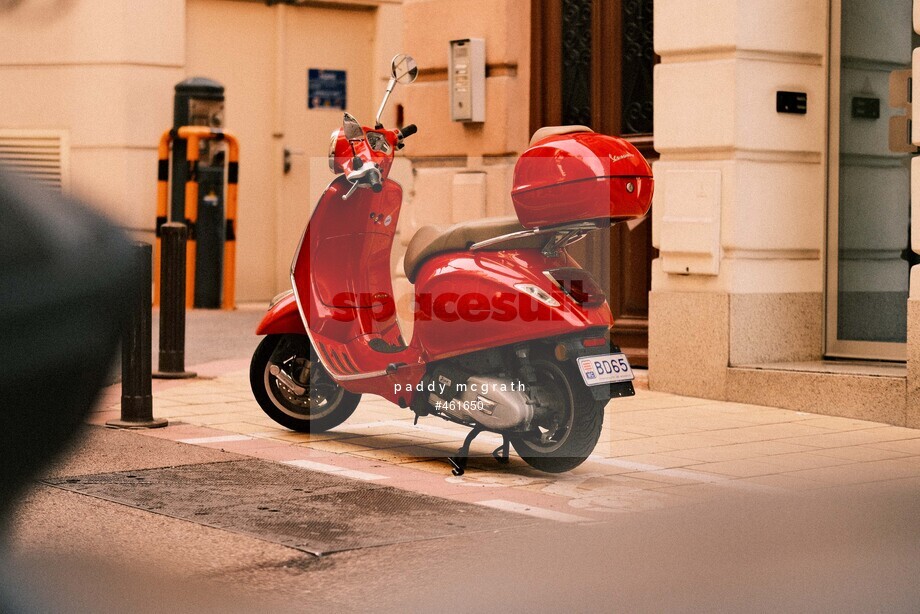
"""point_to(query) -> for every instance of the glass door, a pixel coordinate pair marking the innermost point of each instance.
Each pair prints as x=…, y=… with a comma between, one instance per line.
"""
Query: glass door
x=869, y=257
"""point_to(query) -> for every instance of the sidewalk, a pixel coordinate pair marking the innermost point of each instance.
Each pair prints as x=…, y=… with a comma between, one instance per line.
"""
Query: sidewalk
x=685, y=505
x=656, y=450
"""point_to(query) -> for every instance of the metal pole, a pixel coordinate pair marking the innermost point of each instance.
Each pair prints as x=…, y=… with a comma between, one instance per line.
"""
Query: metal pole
x=162, y=208
x=233, y=174
x=191, y=215
x=172, y=303
x=136, y=394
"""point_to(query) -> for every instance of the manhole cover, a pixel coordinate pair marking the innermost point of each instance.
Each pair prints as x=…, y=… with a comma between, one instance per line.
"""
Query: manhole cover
x=313, y=512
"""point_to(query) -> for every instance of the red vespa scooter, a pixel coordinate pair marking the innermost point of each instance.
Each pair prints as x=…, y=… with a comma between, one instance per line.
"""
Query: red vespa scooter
x=510, y=335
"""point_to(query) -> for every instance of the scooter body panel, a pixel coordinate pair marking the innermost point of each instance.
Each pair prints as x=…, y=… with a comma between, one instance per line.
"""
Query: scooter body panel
x=282, y=318
x=341, y=276
x=467, y=301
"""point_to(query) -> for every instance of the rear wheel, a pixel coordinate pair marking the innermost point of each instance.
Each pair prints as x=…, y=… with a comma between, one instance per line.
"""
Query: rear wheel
x=294, y=388
x=567, y=423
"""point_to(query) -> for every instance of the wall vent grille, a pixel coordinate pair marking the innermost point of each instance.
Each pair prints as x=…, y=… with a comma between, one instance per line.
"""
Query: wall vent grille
x=40, y=155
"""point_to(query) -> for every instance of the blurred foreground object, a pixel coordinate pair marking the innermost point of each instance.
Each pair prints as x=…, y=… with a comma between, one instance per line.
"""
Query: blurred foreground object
x=65, y=287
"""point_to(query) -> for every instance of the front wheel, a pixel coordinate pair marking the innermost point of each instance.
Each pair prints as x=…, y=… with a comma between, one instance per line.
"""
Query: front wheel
x=293, y=387
x=567, y=424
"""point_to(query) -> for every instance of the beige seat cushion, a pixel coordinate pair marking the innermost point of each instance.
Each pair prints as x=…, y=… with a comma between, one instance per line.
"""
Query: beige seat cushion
x=549, y=131
x=431, y=240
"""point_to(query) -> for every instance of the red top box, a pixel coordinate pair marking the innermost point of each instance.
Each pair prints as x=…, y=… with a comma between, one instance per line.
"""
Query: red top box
x=581, y=176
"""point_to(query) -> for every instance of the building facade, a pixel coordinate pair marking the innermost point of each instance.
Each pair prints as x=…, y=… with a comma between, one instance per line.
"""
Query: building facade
x=97, y=77
x=784, y=231
x=776, y=265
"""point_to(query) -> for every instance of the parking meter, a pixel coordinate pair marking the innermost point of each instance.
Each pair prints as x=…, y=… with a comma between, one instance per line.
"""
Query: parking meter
x=200, y=102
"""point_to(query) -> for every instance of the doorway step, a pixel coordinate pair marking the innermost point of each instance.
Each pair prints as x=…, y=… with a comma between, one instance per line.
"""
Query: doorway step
x=864, y=390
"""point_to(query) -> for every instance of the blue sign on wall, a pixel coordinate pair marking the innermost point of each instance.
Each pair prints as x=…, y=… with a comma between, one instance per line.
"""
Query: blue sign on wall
x=325, y=89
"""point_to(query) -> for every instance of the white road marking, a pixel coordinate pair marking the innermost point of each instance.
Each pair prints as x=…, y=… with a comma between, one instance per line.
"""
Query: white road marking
x=458, y=433
x=217, y=439
x=690, y=475
x=334, y=470
x=530, y=510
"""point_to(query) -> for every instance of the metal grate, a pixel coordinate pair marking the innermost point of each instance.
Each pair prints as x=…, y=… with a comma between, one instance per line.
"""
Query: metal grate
x=638, y=65
x=309, y=511
x=576, y=62
x=40, y=155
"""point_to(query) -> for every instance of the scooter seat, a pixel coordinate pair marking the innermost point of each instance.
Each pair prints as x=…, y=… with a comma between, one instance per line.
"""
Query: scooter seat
x=548, y=131
x=431, y=240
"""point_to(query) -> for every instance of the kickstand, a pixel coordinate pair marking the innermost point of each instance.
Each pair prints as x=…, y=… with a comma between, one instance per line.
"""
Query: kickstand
x=459, y=461
x=501, y=452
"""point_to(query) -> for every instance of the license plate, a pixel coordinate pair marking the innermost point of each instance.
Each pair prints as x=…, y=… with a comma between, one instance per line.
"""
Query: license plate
x=605, y=369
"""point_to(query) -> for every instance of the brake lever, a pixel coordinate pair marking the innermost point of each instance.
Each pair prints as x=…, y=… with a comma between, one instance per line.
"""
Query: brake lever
x=354, y=186
x=358, y=175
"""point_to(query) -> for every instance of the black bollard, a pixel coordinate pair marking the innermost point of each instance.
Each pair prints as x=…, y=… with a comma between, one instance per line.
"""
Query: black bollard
x=136, y=395
x=172, y=303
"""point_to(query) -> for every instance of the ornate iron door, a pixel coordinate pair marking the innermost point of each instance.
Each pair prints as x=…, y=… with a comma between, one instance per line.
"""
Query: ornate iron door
x=592, y=64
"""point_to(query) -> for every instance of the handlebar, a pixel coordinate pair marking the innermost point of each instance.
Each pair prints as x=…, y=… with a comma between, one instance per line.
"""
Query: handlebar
x=365, y=175
x=374, y=180
x=369, y=174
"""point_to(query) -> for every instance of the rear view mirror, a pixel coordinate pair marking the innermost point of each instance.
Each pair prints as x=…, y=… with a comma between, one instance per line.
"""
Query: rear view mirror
x=404, y=69
x=353, y=130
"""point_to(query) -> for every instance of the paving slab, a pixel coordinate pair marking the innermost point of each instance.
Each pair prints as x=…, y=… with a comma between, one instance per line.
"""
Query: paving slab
x=659, y=439
x=656, y=506
x=310, y=511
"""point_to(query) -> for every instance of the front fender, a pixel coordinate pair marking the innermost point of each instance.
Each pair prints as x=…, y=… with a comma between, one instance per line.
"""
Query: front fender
x=282, y=317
